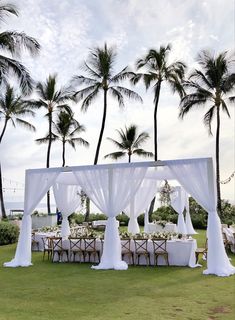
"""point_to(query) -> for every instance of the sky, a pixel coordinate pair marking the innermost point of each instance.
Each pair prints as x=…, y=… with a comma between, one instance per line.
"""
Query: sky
x=68, y=29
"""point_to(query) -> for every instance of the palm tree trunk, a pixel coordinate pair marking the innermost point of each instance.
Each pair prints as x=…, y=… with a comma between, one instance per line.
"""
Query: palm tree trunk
x=98, y=149
x=129, y=157
x=1, y=187
x=1, y=196
x=63, y=154
x=3, y=130
x=48, y=160
x=217, y=162
x=156, y=99
x=102, y=127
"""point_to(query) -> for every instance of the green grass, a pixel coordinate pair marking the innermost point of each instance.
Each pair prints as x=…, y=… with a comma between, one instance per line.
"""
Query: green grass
x=75, y=291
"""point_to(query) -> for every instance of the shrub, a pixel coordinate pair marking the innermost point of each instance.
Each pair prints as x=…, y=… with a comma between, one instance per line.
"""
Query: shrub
x=140, y=220
x=165, y=213
x=97, y=216
x=8, y=233
x=123, y=219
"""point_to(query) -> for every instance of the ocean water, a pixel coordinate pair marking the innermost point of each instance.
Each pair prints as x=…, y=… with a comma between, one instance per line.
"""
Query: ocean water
x=42, y=207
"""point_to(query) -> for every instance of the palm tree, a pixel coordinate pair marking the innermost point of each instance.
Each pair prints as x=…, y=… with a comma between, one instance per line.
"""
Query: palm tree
x=12, y=109
x=102, y=79
x=211, y=86
x=65, y=129
x=12, y=43
x=158, y=70
x=129, y=143
x=53, y=100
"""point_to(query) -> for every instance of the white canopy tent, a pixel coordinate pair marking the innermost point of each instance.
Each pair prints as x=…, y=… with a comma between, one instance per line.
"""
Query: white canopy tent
x=112, y=187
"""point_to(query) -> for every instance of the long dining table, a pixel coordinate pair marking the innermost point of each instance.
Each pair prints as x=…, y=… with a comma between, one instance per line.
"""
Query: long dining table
x=180, y=252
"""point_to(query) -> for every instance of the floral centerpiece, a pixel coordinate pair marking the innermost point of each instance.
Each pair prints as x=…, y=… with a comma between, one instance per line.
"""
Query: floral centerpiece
x=142, y=235
x=161, y=223
x=126, y=235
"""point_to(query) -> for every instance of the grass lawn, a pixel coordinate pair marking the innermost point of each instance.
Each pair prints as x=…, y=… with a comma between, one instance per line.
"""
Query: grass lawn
x=75, y=291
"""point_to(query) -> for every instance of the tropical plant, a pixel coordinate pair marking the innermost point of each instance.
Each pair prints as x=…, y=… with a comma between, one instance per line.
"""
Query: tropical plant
x=102, y=79
x=53, y=100
x=12, y=109
x=213, y=86
x=65, y=129
x=158, y=70
x=12, y=43
x=129, y=143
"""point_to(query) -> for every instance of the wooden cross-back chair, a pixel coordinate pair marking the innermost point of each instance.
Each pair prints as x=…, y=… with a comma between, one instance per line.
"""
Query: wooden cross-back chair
x=75, y=245
x=57, y=248
x=90, y=249
x=126, y=250
x=159, y=250
x=47, y=247
x=34, y=242
x=141, y=249
x=201, y=251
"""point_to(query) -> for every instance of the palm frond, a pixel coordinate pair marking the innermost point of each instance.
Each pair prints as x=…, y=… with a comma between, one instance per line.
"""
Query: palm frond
x=117, y=143
x=143, y=153
x=136, y=78
x=83, y=93
x=208, y=117
x=225, y=108
x=80, y=141
x=89, y=98
x=65, y=107
x=14, y=42
x=189, y=101
x=149, y=78
x=7, y=9
x=91, y=72
x=124, y=74
x=25, y=124
x=78, y=80
x=140, y=139
x=117, y=95
x=25, y=81
x=115, y=155
x=129, y=93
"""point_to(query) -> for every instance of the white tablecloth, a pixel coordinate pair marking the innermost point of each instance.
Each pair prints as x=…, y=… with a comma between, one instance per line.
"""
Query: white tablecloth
x=38, y=237
x=180, y=252
x=154, y=227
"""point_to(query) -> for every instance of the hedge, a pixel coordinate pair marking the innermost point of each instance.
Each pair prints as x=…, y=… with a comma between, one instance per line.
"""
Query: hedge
x=8, y=233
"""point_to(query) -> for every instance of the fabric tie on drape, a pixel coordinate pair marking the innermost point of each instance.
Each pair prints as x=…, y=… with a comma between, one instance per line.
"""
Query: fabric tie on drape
x=188, y=221
x=197, y=178
x=67, y=199
x=178, y=204
x=111, y=189
x=36, y=186
x=139, y=203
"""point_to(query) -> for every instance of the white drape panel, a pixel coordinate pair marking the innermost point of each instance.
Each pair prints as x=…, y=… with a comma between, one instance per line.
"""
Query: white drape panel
x=67, y=200
x=188, y=221
x=177, y=197
x=197, y=177
x=139, y=203
x=111, y=190
x=36, y=186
